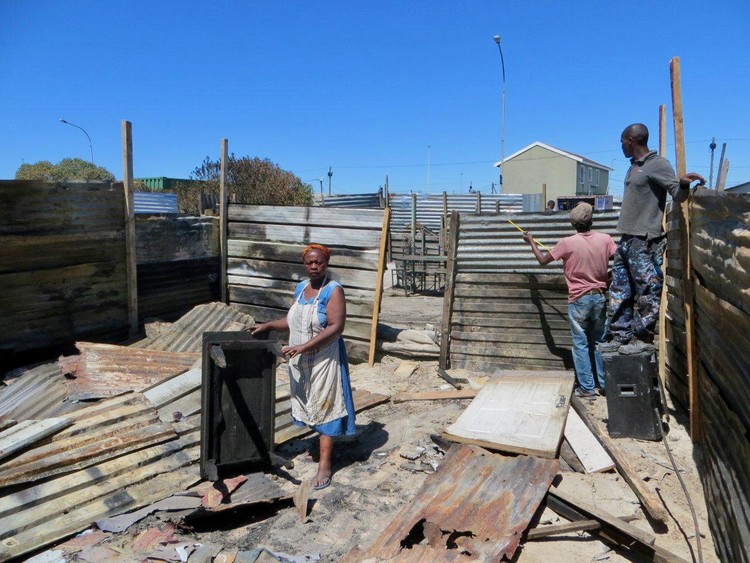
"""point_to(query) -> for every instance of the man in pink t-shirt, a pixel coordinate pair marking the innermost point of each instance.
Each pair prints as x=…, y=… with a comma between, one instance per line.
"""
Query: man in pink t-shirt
x=585, y=257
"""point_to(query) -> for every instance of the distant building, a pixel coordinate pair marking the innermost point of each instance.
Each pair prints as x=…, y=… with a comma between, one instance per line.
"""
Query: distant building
x=740, y=188
x=164, y=183
x=564, y=173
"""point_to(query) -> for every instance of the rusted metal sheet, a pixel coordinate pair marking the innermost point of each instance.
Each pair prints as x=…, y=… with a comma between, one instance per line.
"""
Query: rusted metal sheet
x=186, y=334
x=476, y=507
x=105, y=370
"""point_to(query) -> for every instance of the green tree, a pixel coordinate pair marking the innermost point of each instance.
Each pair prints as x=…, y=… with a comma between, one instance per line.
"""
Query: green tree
x=66, y=169
x=253, y=181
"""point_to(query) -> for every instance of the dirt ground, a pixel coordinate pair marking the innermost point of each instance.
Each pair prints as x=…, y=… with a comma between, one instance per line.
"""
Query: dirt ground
x=372, y=481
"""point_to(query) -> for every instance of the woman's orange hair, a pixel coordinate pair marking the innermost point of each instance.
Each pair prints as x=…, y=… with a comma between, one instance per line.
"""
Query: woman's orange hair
x=325, y=250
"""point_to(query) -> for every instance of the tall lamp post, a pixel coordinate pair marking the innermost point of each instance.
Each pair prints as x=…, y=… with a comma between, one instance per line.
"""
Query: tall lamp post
x=502, y=125
x=91, y=148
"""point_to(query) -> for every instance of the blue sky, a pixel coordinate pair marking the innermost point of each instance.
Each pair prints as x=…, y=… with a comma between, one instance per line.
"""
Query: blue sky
x=366, y=87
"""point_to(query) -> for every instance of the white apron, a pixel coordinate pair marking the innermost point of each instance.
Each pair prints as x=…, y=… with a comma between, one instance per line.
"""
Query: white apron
x=315, y=376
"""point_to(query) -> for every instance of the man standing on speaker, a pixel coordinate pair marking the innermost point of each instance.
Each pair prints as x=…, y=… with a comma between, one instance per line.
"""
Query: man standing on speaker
x=585, y=257
x=637, y=277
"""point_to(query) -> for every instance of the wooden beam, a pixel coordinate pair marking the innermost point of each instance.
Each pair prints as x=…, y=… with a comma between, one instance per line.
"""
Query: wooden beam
x=379, y=287
x=435, y=395
x=615, y=529
x=223, y=220
x=651, y=503
x=130, y=248
x=450, y=283
x=689, y=299
x=663, y=305
x=721, y=177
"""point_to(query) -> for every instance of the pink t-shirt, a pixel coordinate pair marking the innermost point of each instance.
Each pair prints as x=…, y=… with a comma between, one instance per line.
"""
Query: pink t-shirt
x=585, y=259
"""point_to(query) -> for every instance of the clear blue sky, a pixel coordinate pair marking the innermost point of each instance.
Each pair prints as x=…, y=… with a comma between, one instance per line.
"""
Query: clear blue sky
x=365, y=87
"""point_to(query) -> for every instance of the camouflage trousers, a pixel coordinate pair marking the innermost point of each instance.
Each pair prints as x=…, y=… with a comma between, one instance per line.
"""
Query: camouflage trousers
x=635, y=291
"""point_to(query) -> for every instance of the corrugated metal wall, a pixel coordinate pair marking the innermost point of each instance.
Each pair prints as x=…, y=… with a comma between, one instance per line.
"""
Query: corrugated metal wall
x=62, y=264
x=676, y=372
x=265, y=244
x=720, y=254
x=504, y=310
x=430, y=208
x=178, y=265
x=154, y=203
x=361, y=201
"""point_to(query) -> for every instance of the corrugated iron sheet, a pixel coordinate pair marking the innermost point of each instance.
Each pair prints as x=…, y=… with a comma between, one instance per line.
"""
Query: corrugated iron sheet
x=366, y=201
x=490, y=243
x=105, y=370
x=186, y=334
x=475, y=507
x=37, y=393
x=430, y=207
x=154, y=203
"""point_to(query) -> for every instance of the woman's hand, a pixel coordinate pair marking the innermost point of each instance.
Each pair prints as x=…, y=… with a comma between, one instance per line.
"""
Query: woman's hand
x=292, y=351
x=259, y=327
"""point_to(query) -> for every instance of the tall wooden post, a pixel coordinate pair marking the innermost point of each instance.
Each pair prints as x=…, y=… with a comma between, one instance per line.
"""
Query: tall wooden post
x=223, y=220
x=379, y=287
x=687, y=278
x=130, y=248
x=413, y=230
x=664, y=222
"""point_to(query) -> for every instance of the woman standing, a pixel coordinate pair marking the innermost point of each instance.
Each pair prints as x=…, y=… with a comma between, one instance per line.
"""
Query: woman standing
x=321, y=394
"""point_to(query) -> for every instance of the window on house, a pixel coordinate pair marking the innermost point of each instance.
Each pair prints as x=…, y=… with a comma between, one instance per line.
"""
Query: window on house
x=596, y=178
x=583, y=174
x=591, y=172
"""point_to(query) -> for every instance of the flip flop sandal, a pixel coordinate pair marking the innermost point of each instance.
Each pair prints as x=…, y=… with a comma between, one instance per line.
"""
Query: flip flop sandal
x=322, y=484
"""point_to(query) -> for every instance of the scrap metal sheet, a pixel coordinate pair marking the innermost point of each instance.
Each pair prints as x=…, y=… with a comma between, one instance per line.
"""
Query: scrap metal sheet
x=105, y=370
x=475, y=507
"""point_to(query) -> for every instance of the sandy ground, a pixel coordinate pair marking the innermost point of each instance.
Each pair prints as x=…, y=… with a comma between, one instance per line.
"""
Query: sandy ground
x=372, y=482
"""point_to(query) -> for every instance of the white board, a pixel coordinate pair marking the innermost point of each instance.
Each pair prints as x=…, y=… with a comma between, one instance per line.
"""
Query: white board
x=590, y=452
x=522, y=412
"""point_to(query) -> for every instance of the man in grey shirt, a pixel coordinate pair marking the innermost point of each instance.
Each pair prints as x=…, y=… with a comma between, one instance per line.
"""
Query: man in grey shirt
x=637, y=278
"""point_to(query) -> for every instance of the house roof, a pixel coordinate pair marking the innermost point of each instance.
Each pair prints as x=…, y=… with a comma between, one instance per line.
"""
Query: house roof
x=573, y=156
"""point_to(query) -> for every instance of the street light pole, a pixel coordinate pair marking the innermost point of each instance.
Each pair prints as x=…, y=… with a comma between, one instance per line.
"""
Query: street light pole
x=502, y=125
x=330, y=175
x=91, y=148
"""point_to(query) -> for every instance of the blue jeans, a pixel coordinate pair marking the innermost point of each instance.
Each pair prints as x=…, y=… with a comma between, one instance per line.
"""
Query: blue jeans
x=588, y=325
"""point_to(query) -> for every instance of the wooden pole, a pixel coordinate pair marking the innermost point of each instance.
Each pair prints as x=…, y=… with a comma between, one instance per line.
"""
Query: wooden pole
x=721, y=178
x=687, y=278
x=663, y=304
x=379, y=286
x=450, y=282
x=719, y=183
x=413, y=231
x=223, y=220
x=130, y=248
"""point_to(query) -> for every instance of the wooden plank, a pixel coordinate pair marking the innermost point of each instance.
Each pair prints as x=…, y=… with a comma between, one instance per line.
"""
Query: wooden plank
x=524, y=336
x=80, y=517
x=291, y=233
x=27, y=432
x=435, y=395
x=650, y=502
x=378, y=287
x=511, y=350
x=359, y=219
x=448, y=297
x=633, y=537
x=365, y=259
x=517, y=413
x=587, y=448
x=130, y=246
x=223, y=218
x=348, y=277
x=173, y=388
x=491, y=365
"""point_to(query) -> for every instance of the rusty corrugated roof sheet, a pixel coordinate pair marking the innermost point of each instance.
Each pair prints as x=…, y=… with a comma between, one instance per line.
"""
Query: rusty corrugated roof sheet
x=475, y=507
x=186, y=334
x=105, y=370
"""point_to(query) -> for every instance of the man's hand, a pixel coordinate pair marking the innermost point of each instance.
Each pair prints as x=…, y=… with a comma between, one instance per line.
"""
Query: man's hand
x=527, y=237
x=689, y=178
